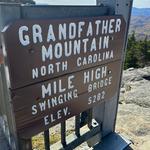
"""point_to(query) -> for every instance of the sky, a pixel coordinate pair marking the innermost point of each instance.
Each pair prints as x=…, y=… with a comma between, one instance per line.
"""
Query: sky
x=136, y=3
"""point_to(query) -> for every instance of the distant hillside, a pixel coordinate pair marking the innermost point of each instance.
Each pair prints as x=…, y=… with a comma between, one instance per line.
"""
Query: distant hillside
x=140, y=11
x=140, y=22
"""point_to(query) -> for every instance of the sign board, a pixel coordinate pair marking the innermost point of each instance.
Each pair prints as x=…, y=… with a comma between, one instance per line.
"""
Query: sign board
x=59, y=68
x=43, y=49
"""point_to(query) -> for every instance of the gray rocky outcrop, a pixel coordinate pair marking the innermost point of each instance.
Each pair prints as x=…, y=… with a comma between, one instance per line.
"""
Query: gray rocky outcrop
x=133, y=119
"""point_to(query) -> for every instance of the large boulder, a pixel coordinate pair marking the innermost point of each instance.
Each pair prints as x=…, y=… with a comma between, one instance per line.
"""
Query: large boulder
x=133, y=120
x=136, y=87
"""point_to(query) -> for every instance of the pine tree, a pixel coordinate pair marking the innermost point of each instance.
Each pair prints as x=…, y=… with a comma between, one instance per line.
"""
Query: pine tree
x=131, y=55
x=148, y=51
x=143, y=54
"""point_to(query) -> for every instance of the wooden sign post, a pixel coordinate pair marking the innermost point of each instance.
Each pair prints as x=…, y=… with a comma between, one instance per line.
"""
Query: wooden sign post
x=59, y=66
x=70, y=64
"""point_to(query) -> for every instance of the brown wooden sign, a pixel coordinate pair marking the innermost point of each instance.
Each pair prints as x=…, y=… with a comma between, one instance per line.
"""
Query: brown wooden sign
x=39, y=50
x=45, y=104
x=59, y=68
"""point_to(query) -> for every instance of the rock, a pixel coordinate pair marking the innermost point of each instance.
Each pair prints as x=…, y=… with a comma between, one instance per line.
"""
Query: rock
x=133, y=119
x=145, y=146
x=135, y=74
x=130, y=69
x=122, y=90
x=137, y=87
x=133, y=122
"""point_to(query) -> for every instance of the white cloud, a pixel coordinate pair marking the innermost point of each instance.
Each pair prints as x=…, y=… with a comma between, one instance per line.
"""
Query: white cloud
x=141, y=3
x=67, y=2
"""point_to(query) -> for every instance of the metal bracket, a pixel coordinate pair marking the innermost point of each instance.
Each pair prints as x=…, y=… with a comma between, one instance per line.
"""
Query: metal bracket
x=113, y=141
